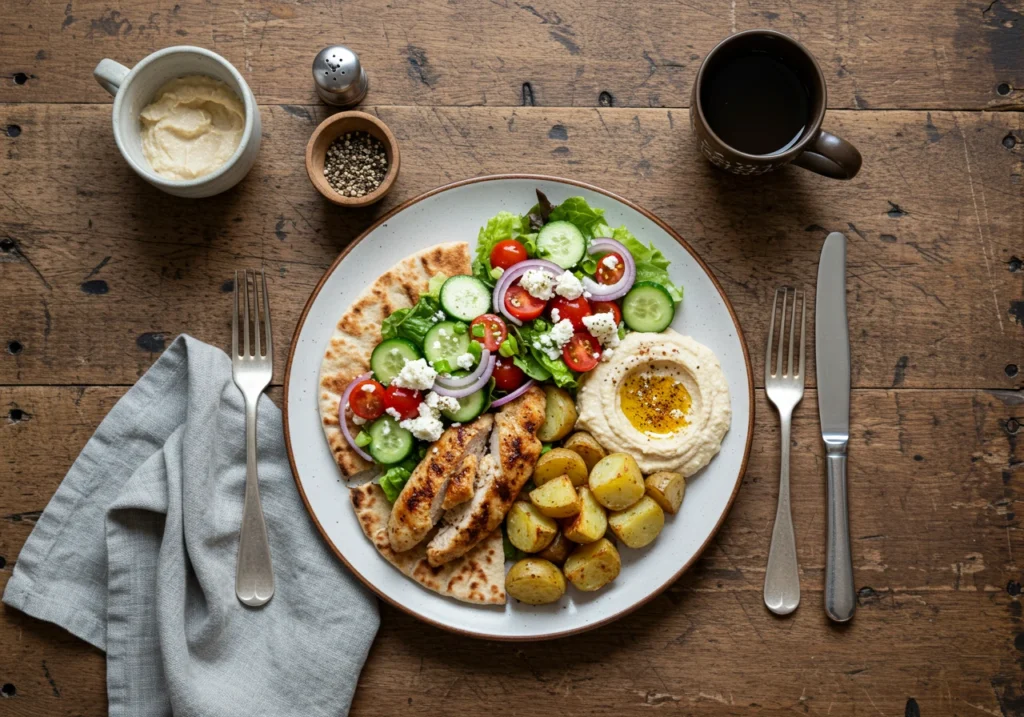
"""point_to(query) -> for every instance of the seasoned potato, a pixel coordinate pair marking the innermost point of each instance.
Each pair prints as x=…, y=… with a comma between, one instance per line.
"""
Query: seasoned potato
x=557, y=498
x=587, y=447
x=591, y=567
x=589, y=524
x=639, y=524
x=559, y=415
x=535, y=581
x=667, y=489
x=560, y=462
x=558, y=551
x=528, y=528
x=616, y=481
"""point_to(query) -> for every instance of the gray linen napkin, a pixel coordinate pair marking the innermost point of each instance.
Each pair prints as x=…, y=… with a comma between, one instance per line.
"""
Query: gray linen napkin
x=135, y=554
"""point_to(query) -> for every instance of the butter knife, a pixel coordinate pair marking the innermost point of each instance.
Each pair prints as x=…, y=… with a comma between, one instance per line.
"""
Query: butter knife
x=832, y=361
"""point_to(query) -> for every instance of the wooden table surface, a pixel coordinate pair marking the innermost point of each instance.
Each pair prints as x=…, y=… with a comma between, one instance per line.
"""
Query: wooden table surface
x=99, y=271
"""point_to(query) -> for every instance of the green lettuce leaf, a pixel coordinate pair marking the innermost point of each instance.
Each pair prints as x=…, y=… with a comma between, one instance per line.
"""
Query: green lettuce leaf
x=503, y=225
x=395, y=478
x=412, y=323
x=535, y=363
x=576, y=211
x=651, y=264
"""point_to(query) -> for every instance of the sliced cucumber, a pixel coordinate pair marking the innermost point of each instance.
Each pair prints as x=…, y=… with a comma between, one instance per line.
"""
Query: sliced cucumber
x=648, y=307
x=469, y=407
x=444, y=343
x=465, y=297
x=562, y=243
x=389, y=442
x=389, y=357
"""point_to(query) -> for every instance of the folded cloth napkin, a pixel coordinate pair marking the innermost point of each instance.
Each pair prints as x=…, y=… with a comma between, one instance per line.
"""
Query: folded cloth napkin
x=135, y=554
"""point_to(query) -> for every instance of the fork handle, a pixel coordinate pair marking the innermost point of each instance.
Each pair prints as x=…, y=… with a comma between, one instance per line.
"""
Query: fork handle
x=840, y=601
x=782, y=576
x=254, y=574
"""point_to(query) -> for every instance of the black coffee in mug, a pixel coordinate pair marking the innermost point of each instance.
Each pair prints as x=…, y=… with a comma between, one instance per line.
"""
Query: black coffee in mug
x=756, y=103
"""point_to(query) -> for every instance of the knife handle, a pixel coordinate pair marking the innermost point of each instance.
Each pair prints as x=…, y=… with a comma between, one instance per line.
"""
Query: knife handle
x=840, y=600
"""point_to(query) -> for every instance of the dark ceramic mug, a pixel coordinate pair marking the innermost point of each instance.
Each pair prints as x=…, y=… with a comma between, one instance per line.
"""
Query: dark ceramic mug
x=758, y=104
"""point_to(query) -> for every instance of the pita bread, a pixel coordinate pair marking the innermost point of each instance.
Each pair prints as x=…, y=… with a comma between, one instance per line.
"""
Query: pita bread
x=477, y=577
x=358, y=332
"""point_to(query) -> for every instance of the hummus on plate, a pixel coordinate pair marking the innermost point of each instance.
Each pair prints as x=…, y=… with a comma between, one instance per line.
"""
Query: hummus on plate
x=662, y=398
x=192, y=127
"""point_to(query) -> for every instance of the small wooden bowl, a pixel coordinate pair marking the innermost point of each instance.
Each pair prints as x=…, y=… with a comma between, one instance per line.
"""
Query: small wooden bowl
x=332, y=128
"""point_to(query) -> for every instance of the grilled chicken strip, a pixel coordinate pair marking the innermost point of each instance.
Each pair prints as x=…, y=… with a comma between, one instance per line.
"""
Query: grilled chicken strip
x=514, y=451
x=419, y=505
x=460, y=485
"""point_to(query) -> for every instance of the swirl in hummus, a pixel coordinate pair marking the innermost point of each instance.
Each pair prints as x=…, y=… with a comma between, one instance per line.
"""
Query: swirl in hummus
x=192, y=127
x=662, y=398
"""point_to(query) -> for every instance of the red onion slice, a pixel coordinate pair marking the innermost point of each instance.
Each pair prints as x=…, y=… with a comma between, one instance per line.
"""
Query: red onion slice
x=344, y=422
x=463, y=381
x=607, y=292
x=479, y=383
x=514, y=395
x=513, y=273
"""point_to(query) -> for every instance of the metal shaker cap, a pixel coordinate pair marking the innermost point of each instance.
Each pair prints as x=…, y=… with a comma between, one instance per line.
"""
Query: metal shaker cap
x=339, y=77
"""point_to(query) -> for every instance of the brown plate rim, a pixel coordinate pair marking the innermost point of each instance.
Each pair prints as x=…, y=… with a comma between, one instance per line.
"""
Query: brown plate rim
x=537, y=178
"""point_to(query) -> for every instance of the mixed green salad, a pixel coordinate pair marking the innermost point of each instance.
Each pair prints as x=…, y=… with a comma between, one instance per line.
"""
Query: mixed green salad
x=551, y=295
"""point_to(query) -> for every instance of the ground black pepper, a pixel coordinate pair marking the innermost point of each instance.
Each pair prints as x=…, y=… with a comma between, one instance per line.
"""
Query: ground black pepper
x=355, y=164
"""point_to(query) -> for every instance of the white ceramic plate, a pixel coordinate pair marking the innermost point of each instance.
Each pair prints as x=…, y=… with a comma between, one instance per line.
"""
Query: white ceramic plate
x=456, y=212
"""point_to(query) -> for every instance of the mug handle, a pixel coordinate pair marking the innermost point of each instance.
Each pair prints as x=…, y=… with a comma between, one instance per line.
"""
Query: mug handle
x=830, y=156
x=110, y=75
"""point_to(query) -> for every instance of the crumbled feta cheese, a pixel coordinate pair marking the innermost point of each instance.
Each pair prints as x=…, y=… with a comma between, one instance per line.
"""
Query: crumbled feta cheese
x=456, y=425
x=437, y=402
x=551, y=342
x=442, y=332
x=393, y=412
x=603, y=328
x=394, y=352
x=415, y=374
x=568, y=286
x=465, y=361
x=587, y=295
x=555, y=315
x=606, y=356
x=426, y=426
x=611, y=261
x=358, y=420
x=438, y=316
x=538, y=283
x=368, y=387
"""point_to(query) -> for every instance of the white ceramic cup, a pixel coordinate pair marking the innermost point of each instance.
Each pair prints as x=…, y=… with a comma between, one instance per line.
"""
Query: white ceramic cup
x=134, y=89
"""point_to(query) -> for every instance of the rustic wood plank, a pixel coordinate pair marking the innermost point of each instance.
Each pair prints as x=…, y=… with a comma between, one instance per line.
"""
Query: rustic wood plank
x=936, y=539
x=100, y=270
x=917, y=55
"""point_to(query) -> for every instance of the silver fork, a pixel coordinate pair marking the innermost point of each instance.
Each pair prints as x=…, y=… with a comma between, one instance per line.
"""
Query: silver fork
x=252, y=367
x=785, y=389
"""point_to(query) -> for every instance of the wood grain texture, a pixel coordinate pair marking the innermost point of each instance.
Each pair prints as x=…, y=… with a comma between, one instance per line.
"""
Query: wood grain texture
x=915, y=55
x=934, y=222
x=936, y=540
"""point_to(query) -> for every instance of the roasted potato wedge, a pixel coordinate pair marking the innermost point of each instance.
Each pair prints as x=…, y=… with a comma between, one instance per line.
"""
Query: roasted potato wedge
x=587, y=447
x=559, y=415
x=535, y=581
x=591, y=567
x=558, y=551
x=590, y=523
x=559, y=462
x=616, y=481
x=557, y=498
x=667, y=489
x=639, y=524
x=528, y=528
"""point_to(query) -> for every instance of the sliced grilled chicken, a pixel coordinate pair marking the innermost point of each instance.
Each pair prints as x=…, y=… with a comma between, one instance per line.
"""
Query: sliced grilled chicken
x=460, y=485
x=419, y=505
x=514, y=450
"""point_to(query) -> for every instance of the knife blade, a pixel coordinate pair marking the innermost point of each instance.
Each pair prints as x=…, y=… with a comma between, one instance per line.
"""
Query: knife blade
x=832, y=362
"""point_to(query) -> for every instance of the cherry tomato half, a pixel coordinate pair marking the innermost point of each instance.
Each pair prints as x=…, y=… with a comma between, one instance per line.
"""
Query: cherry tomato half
x=582, y=352
x=506, y=253
x=507, y=376
x=610, y=269
x=404, y=400
x=521, y=304
x=603, y=307
x=367, y=399
x=572, y=309
x=494, y=328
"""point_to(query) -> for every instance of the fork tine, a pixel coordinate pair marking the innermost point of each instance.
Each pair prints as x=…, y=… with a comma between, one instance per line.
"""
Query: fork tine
x=779, y=366
x=771, y=337
x=266, y=320
x=234, y=319
x=792, y=328
x=245, y=312
x=803, y=327
x=256, y=350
